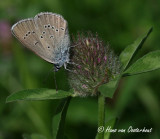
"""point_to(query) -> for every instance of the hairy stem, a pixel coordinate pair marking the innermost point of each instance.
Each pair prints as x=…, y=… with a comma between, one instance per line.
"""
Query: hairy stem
x=101, y=116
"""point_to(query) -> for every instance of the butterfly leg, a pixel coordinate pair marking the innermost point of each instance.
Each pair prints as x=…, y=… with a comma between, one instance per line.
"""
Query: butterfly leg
x=65, y=66
x=74, y=46
x=72, y=63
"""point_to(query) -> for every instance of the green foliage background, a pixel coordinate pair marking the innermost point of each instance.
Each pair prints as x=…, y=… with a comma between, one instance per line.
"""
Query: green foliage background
x=137, y=100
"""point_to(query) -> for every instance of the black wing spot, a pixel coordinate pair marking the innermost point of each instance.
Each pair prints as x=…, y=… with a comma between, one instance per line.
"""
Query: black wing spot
x=49, y=25
x=29, y=32
x=26, y=34
x=45, y=26
x=57, y=30
x=51, y=36
x=35, y=43
x=33, y=32
x=62, y=28
x=43, y=32
x=24, y=37
x=41, y=36
x=48, y=47
x=52, y=27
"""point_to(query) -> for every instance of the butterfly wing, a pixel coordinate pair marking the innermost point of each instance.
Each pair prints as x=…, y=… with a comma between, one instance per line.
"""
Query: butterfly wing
x=44, y=35
x=54, y=30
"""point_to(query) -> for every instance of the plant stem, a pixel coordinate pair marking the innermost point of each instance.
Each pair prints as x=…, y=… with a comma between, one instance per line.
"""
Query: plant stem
x=59, y=119
x=101, y=116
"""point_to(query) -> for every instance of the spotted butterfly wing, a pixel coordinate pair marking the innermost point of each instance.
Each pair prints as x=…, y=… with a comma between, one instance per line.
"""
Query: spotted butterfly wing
x=46, y=35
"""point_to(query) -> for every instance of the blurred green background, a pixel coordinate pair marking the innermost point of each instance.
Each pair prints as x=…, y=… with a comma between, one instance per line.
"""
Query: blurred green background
x=137, y=101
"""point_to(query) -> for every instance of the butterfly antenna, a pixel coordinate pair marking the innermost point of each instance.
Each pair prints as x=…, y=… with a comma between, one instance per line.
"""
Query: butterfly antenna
x=74, y=45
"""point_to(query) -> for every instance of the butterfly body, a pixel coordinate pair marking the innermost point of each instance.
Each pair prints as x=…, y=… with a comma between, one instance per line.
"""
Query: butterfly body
x=47, y=36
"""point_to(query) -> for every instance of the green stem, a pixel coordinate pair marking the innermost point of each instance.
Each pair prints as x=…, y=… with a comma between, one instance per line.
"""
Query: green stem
x=101, y=116
x=59, y=119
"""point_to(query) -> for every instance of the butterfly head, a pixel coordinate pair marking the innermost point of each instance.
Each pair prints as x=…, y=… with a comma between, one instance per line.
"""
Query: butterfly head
x=57, y=67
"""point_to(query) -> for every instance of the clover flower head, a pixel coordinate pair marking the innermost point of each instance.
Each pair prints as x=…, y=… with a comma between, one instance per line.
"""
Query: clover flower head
x=94, y=64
